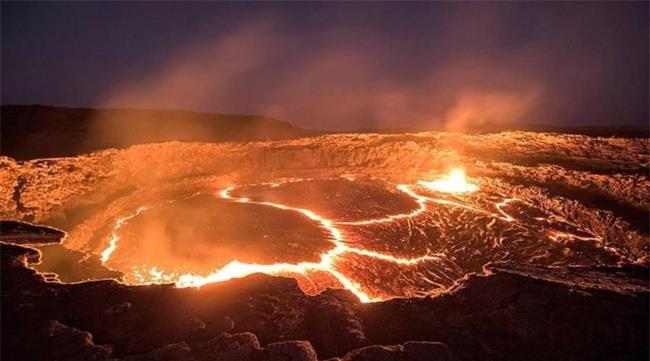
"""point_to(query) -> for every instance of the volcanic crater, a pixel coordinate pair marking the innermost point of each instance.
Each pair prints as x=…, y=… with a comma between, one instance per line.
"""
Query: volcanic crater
x=360, y=223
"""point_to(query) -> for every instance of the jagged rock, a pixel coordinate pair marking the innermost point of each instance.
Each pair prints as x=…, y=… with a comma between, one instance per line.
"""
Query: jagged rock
x=523, y=311
x=410, y=351
x=426, y=351
x=14, y=256
x=332, y=325
x=374, y=353
x=119, y=308
x=237, y=347
x=225, y=324
x=68, y=343
x=174, y=352
x=26, y=233
x=289, y=351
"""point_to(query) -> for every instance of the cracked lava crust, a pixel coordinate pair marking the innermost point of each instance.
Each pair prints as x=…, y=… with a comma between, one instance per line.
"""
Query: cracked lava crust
x=380, y=216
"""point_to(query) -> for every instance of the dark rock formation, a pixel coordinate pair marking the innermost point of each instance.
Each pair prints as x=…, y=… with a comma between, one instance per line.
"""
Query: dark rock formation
x=523, y=312
x=412, y=351
x=37, y=131
x=69, y=343
x=25, y=233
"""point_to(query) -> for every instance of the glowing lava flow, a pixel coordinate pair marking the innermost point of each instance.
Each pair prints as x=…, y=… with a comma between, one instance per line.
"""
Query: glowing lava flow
x=112, y=243
x=506, y=217
x=453, y=183
x=238, y=269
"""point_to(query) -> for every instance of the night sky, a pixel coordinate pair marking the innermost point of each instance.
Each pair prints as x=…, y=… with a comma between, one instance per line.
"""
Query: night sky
x=337, y=66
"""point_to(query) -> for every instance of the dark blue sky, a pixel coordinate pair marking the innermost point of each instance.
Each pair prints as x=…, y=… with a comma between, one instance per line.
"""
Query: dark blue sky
x=337, y=65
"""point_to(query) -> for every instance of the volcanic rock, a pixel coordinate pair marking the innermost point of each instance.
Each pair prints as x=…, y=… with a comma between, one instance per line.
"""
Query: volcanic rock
x=512, y=311
x=410, y=351
x=241, y=346
x=69, y=343
x=289, y=351
x=374, y=353
x=173, y=352
x=25, y=233
x=426, y=351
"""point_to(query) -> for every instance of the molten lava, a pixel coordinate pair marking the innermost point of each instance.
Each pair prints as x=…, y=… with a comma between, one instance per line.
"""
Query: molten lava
x=446, y=257
x=112, y=243
x=237, y=269
x=454, y=182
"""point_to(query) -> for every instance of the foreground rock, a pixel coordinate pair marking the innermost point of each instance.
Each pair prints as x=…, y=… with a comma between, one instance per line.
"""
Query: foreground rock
x=514, y=312
x=24, y=233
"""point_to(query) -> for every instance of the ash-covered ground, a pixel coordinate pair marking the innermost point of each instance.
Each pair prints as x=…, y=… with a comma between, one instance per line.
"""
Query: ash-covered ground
x=333, y=246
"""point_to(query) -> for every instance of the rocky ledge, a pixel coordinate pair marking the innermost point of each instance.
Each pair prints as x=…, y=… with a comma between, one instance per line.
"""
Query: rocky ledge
x=512, y=311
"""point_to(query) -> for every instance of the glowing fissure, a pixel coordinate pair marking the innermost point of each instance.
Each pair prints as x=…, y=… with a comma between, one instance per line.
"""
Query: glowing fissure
x=112, y=243
x=403, y=261
x=557, y=236
x=105, y=255
x=506, y=217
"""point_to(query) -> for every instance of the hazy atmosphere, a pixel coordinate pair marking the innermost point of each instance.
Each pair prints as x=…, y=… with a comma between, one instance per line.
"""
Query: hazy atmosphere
x=320, y=181
x=337, y=66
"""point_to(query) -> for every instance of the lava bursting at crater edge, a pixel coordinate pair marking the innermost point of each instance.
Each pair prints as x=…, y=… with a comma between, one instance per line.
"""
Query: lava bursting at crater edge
x=455, y=184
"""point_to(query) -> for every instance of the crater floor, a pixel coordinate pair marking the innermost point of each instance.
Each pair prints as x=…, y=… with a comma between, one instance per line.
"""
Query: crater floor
x=378, y=239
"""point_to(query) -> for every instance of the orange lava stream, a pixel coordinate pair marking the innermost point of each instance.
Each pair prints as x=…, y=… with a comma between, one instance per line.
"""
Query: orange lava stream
x=112, y=243
x=557, y=236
